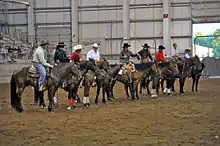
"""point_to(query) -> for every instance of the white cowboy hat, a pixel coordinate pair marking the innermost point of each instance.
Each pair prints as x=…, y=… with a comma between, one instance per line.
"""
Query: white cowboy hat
x=95, y=45
x=77, y=47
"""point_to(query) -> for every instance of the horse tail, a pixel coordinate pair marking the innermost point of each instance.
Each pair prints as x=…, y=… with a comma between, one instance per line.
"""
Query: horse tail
x=13, y=92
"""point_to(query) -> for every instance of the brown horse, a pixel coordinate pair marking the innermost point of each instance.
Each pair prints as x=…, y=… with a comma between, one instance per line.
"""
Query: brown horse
x=22, y=78
x=141, y=69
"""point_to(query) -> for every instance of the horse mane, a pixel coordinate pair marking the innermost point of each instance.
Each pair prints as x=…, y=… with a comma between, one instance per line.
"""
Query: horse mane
x=143, y=66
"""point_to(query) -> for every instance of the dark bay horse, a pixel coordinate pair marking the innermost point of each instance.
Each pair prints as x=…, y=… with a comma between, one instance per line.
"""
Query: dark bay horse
x=21, y=78
x=103, y=75
x=192, y=67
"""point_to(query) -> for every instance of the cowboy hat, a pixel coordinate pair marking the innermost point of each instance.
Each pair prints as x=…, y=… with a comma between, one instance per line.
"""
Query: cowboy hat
x=145, y=45
x=77, y=47
x=43, y=43
x=61, y=44
x=187, y=49
x=126, y=45
x=161, y=47
x=95, y=45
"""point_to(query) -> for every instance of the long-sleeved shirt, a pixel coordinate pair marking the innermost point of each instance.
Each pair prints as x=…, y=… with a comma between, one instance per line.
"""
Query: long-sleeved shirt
x=38, y=57
x=75, y=57
x=93, y=55
x=126, y=53
x=160, y=57
x=145, y=54
x=174, y=53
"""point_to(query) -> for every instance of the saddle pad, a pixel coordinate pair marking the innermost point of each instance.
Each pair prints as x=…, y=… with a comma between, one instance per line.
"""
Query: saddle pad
x=32, y=69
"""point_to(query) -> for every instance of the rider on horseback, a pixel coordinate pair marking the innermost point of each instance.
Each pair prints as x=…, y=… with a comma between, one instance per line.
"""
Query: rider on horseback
x=125, y=60
x=187, y=54
x=40, y=63
x=75, y=57
x=144, y=54
x=160, y=56
x=60, y=54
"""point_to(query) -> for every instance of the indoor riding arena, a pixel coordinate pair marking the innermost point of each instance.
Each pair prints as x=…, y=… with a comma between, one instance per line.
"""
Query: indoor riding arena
x=164, y=118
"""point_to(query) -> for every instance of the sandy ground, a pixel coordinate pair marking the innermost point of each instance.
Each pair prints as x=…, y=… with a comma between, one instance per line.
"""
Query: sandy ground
x=192, y=119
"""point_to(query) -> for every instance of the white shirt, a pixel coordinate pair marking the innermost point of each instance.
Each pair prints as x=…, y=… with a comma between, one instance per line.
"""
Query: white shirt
x=93, y=55
x=174, y=52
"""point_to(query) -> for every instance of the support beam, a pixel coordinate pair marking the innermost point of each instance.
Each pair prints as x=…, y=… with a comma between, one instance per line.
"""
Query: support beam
x=126, y=20
x=31, y=32
x=74, y=22
x=167, y=27
x=18, y=2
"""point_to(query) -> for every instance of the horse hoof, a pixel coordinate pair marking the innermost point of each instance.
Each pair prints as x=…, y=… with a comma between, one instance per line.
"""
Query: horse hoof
x=50, y=109
x=181, y=94
x=20, y=110
x=88, y=104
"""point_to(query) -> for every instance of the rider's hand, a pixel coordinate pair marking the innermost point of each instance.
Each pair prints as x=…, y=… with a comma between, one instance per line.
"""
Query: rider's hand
x=51, y=66
x=125, y=56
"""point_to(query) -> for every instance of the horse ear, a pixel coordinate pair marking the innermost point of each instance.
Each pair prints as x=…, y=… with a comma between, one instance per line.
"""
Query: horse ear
x=104, y=59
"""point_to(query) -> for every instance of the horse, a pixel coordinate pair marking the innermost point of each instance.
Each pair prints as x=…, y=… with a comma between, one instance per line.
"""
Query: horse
x=141, y=69
x=101, y=75
x=169, y=73
x=105, y=81
x=191, y=67
x=22, y=78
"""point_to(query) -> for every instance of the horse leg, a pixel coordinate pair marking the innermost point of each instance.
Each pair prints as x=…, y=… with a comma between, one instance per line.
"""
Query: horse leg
x=103, y=95
x=42, y=103
x=147, y=85
x=86, y=100
x=181, y=81
x=97, y=93
x=193, y=82
x=51, y=91
x=197, y=82
x=19, y=107
x=126, y=90
x=136, y=90
x=164, y=90
x=132, y=90
x=36, y=95
x=140, y=88
x=173, y=83
x=155, y=86
x=169, y=85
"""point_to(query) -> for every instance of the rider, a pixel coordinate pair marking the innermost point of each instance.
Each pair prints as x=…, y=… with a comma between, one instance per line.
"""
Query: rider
x=76, y=54
x=187, y=54
x=160, y=56
x=94, y=53
x=174, y=52
x=145, y=53
x=125, y=60
x=40, y=63
x=60, y=54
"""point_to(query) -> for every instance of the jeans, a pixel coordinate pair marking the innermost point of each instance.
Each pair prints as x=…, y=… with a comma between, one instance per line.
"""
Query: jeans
x=42, y=72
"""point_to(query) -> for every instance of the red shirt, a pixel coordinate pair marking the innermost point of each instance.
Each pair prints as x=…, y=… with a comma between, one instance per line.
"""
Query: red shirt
x=160, y=57
x=75, y=56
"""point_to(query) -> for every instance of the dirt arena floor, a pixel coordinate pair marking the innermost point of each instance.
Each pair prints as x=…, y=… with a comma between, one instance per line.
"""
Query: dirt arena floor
x=192, y=119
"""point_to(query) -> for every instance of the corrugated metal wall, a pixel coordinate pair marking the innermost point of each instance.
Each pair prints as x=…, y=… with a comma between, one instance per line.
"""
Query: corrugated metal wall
x=101, y=20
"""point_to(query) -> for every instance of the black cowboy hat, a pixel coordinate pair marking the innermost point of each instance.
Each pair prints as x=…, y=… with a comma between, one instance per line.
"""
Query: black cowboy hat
x=126, y=45
x=145, y=45
x=187, y=50
x=61, y=44
x=161, y=47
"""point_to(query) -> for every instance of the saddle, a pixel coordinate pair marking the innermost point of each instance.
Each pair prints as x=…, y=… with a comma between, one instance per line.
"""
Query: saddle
x=127, y=68
x=33, y=72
